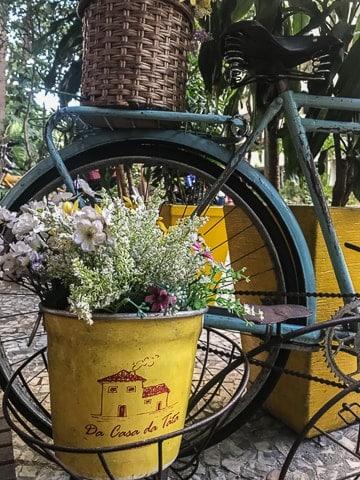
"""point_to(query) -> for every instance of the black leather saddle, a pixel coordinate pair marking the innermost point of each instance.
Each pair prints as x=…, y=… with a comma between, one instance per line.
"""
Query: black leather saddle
x=248, y=45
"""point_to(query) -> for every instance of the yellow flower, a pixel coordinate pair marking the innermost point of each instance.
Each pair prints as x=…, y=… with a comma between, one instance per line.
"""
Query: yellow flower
x=161, y=225
x=70, y=207
x=97, y=209
x=129, y=203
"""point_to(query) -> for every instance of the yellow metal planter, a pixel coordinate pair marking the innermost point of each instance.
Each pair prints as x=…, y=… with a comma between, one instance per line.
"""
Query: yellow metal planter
x=119, y=381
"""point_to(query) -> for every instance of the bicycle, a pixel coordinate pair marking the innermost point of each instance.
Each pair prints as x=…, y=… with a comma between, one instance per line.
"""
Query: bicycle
x=134, y=144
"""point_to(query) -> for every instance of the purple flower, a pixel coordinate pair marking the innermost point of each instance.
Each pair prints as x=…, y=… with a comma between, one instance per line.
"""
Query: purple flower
x=198, y=247
x=37, y=264
x=201, y=36
x=159, y=299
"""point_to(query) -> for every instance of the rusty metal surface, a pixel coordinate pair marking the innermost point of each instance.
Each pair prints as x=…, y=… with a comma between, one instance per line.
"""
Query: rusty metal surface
x=278, y=313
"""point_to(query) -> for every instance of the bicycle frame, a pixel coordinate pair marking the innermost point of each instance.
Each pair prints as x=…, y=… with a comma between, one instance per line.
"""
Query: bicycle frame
x=298, y=126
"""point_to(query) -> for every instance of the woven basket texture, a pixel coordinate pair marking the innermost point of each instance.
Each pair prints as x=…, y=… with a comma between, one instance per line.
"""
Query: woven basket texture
x=135, y=53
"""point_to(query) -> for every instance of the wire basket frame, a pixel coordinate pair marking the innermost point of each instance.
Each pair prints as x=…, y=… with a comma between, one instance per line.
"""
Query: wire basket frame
x=135, y=53
x=220, y=379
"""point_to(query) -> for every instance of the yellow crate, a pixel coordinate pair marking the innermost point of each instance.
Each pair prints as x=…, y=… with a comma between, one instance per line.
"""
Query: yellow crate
x=214, y=231
x=294, y=401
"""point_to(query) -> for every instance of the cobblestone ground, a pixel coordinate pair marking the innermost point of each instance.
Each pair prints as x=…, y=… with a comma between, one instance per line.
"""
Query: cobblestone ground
x=255, y=452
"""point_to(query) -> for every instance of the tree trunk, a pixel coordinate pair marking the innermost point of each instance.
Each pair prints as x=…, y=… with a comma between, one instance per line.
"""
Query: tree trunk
x=272, y=166
x=344, y=176
x=3, y=43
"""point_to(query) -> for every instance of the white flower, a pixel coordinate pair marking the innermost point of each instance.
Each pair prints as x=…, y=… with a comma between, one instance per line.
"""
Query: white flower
x=82, y=311
x=7, y=217
x=88, y=212
x=36, y=241
x=34, y=206
x=106, y=214
x=25, y=224
x=61, y=197
x=15, y=263
x=85, y=187
x=21, y=249
x=89, y=234
x=111, y=256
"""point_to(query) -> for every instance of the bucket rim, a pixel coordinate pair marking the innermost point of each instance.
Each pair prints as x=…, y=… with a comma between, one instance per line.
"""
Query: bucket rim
x=126, y=316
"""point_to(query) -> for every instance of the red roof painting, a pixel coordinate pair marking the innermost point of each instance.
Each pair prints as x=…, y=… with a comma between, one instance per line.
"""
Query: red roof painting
x=123, y=376
x=155, y=390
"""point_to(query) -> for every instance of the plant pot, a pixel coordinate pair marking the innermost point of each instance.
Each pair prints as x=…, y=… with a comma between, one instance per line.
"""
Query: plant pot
x=121, y=380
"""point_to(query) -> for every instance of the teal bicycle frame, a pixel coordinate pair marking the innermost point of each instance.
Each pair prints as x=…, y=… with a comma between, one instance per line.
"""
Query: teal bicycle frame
x=298, y=127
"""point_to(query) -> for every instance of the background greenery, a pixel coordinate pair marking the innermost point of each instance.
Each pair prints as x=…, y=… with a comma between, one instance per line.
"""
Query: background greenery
x=40, y=52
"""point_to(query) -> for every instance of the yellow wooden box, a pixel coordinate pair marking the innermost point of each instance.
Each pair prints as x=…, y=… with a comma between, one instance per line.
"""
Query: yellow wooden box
x=294, y=400
x=214, y=231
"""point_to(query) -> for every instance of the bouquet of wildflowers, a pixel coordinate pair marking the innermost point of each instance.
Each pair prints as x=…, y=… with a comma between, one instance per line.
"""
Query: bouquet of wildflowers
x=112, y=255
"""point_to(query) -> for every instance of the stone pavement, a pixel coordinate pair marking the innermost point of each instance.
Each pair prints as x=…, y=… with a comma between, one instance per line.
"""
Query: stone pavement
x=255, y=452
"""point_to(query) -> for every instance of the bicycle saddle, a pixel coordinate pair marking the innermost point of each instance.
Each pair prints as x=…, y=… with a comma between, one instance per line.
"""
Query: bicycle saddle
x=248, y=46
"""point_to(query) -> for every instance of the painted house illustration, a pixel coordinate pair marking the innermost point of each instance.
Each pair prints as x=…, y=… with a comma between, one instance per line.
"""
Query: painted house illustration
x=125, y=394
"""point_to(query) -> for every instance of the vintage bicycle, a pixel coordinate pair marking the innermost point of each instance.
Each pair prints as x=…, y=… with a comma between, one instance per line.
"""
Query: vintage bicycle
x=142, y=148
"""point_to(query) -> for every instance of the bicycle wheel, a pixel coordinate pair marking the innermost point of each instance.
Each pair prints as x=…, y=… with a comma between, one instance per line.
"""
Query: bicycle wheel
x=254, y=229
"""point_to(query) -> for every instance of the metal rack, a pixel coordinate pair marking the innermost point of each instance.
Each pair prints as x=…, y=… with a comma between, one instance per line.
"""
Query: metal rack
x=210, y=403
x=350, y=415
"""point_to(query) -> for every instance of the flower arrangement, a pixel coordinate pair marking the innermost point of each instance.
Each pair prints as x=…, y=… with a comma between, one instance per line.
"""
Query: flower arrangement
x=114, y=256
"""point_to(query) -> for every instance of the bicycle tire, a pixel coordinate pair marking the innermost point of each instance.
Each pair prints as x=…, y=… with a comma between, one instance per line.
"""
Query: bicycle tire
x=200, y=156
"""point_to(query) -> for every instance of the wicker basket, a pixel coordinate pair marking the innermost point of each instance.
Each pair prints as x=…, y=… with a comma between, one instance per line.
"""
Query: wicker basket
x=135, y=53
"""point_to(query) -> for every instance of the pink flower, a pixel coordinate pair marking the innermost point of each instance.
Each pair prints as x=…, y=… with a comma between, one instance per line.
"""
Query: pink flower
x=198, y=247
x=159, y=299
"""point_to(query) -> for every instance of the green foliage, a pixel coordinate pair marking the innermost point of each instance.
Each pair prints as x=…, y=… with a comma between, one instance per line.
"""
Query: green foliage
x=29, y=148
x=296, y=192
x=198, y=98
x=44, y=53
x=336, y=17
x=41, y=46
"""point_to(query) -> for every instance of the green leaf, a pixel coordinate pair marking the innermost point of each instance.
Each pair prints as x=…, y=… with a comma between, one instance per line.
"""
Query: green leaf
x=348, y=83
x=357, y=29
x=68, y=43
x=242, y=8
x=306, y=6
x=298, y=23
x=208, y=60
x=267, y=12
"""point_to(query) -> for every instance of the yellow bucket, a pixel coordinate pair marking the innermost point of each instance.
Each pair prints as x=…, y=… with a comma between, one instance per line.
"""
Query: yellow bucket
x=121, y=380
